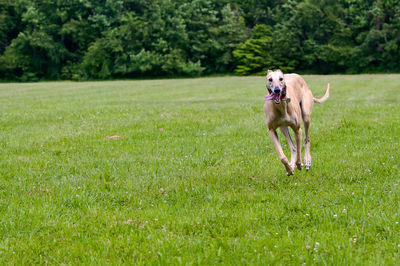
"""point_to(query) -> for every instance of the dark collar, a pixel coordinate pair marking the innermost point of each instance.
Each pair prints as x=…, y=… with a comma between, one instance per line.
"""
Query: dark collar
x=283, y=92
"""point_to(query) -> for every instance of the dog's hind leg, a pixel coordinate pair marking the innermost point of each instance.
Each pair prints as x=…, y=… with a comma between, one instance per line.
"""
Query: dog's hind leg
x=297, y=133
x=307, y=144
x=306, y=109
x=278, y=147
x=293, y=150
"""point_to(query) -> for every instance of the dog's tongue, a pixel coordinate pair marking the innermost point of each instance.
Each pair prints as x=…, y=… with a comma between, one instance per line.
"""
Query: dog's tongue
x=273, y=96
x=269, y=97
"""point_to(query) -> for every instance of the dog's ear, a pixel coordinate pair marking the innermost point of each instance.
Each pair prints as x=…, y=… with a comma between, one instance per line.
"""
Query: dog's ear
x=269, y=71
x=279, y=70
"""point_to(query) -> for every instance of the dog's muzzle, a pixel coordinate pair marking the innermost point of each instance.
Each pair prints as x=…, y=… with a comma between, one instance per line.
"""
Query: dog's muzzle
x=277, y=95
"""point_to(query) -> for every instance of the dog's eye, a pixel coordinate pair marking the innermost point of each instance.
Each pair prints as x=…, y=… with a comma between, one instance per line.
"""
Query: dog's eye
x=280, y=79
x=270, y=79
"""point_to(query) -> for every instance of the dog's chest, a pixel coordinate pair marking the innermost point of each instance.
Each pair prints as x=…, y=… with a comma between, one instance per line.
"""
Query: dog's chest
x=284, y=118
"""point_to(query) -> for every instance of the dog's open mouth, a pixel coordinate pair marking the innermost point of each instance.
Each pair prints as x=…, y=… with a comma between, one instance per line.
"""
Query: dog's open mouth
x=277, y=97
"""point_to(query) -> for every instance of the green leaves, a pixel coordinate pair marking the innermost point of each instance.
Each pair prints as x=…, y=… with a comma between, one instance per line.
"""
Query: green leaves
x=92, y=39
x=324, y=37
x=260, y=52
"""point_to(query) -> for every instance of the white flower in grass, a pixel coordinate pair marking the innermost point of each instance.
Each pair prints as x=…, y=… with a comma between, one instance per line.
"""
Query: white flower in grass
x=344, y=211
x=317, y=244
x=334, y=216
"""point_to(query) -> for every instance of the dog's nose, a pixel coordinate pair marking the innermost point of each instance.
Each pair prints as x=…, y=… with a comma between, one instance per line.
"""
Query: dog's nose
x=277, y=90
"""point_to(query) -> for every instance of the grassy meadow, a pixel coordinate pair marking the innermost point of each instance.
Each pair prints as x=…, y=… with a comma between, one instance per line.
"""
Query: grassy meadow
x=182, y=171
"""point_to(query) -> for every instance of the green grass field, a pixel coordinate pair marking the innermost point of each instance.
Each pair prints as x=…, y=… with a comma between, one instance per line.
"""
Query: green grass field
x=194, y=177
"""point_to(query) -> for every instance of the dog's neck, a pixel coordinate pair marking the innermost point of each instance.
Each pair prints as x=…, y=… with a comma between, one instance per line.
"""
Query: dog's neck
x=283, y=105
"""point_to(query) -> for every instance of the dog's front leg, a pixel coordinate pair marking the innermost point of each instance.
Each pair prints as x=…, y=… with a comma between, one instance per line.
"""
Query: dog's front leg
x=281, y=155
x=293, y=150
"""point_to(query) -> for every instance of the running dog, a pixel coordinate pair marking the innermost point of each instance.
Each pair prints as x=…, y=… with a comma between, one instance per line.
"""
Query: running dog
x=289, y=101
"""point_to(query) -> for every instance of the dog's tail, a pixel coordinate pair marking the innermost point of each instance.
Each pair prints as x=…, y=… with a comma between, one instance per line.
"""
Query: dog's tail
x=325, y=97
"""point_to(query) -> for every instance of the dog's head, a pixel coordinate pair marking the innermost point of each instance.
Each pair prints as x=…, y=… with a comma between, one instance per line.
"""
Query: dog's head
x=276, y=85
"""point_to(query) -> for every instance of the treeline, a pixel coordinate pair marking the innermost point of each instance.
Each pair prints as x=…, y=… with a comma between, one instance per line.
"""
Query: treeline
x=101, y=39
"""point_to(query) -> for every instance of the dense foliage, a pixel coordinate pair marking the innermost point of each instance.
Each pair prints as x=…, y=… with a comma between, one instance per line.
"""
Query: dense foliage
x=86, y=39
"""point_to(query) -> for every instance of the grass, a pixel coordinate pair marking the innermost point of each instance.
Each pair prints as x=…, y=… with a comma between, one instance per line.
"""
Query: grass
x=194, y=177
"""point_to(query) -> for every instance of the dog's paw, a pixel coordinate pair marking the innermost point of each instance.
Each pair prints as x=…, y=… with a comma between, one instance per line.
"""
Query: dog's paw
x=290, y=171
x=299, y=166
x=308, y=165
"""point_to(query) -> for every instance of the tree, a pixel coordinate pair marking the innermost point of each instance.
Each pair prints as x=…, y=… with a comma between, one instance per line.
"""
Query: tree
x=101, y=39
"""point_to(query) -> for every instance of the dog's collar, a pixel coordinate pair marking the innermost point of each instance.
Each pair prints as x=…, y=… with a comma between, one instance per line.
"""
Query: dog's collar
x=283, y=92
x=284, y=95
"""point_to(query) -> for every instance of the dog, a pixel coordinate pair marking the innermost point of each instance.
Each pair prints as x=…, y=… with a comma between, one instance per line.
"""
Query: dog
x=289, y=101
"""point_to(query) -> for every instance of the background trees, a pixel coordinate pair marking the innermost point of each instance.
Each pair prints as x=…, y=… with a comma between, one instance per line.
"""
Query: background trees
x=86, y=39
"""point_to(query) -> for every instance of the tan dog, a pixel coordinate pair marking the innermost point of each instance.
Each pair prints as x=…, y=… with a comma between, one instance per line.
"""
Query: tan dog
x=289, y=101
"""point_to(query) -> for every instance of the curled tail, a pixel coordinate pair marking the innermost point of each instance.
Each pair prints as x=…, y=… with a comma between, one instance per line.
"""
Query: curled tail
x=325, y=97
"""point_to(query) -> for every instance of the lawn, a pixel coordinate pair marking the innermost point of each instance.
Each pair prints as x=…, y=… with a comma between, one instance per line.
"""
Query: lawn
x=182, y=171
